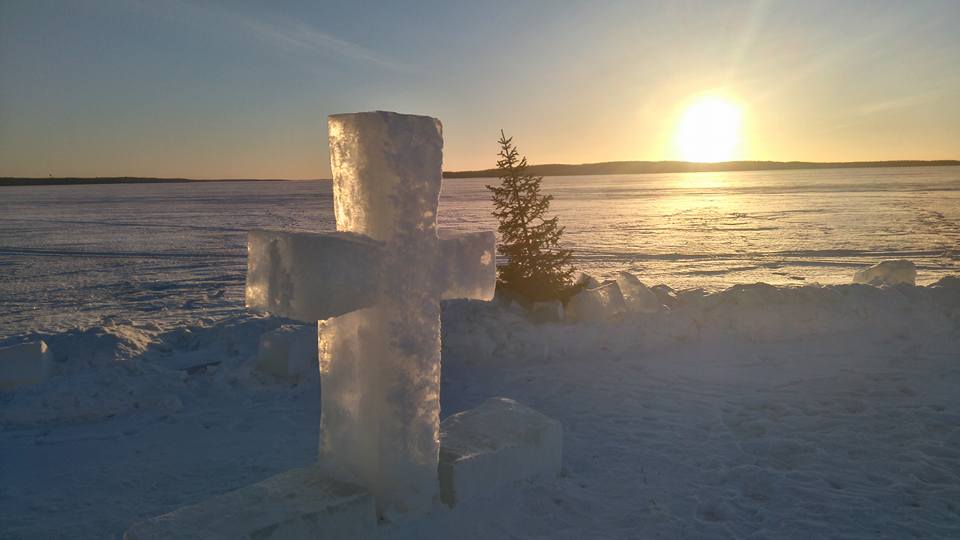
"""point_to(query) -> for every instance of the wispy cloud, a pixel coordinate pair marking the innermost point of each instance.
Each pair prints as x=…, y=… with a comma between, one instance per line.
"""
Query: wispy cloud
x=281, y=32
x=902, y=102
x=748, y=36
x=300, y=37
x=861, y=115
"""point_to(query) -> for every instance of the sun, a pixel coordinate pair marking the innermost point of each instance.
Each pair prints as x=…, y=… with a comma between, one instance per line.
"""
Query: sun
x=709, y=130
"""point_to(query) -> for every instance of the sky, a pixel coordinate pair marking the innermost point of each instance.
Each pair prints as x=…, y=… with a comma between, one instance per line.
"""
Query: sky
x=242, y=89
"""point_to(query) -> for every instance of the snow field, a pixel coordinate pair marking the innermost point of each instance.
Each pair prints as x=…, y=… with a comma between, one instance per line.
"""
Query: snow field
x=756, y=412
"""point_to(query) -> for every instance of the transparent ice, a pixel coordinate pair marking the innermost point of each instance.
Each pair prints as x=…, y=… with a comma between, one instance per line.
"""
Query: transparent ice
x=596, y=304
x=638, y=296
x=24, y=364
x=376, y=287
x=888, y=273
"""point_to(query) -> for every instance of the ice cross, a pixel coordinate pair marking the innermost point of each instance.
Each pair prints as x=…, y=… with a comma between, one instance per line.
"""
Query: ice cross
x=375, y=286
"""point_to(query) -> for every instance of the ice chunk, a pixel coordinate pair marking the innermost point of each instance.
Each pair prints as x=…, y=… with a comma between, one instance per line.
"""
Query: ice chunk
x=24, y=364
x=376, y=288
x=665, y=294
x=380, y=366
x=499, y=442
x=596, y=304
x=543, y=312
x=891, y=272
x=308, y=277
x=387, y=170
x=299, y=503
x=289, y=352
x=380, y=402
x=469, y=262
x=638, y=296
x=586, y=281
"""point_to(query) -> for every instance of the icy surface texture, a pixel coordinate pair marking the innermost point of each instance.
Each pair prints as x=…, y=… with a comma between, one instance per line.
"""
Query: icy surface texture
x=638, y=296
x=289, y=352
x=888, y=273
x=596, y=304
x=24, y=364
x=300, y=503
x=386, y=173
x=850, y=384
x=499, y=442
x=380, y=404
x=665, y=295
x=179, y=251
x=375, y=286
x=308, y=277
x=380, y=366
x=469, y=262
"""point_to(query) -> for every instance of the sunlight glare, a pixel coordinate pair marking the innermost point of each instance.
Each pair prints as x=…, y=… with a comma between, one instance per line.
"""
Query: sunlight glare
x=709, y=130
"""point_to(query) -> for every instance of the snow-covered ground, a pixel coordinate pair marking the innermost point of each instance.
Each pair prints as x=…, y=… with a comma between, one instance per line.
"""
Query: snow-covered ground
x=810, y=412
x=759, y=411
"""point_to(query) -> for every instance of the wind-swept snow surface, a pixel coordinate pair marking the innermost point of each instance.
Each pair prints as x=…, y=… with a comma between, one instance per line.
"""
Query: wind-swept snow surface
x=759, y=411
x=164, y=252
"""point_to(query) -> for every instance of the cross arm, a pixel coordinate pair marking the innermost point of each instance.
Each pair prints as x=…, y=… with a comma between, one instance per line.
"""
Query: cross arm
x=309, y=276
x=469, y=263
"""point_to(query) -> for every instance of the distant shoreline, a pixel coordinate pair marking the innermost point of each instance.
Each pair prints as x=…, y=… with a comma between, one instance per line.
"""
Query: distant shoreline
x=71, y=181
x=655, y=167
x=585, y=169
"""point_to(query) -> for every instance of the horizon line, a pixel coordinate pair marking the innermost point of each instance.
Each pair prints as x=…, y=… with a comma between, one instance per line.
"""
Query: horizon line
x=544, y=169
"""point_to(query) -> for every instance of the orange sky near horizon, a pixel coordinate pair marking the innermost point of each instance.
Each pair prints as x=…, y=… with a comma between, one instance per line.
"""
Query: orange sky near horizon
x=223, y=90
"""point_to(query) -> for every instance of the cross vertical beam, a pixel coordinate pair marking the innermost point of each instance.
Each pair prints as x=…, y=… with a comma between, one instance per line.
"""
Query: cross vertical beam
x=380, y=366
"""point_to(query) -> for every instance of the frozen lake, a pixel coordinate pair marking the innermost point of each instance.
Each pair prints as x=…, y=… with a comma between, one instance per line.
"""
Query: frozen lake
x=76, y=255
x=782, y=412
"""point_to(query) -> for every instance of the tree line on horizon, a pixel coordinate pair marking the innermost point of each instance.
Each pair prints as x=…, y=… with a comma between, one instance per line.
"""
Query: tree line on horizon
x=549, y=169
x=649, y=167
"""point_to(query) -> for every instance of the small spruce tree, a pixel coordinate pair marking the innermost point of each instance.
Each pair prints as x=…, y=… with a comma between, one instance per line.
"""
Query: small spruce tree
x=538, y=268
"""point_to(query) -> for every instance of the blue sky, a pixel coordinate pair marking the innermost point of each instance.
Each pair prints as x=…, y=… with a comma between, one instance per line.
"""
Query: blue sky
x=242, y=89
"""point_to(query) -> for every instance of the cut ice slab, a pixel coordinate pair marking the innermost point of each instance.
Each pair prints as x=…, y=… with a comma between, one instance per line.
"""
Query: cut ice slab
x=497, y=443
x=289, y=352
x=387, y=172
x=299, y=503
x=460, y=254
x=891, y=272
x=596, y=304
x=638, y=296
x=24, y=364
x=311, y=276
x=377, y=297
x=380, y=365
x=380, y=406
x=307, y=276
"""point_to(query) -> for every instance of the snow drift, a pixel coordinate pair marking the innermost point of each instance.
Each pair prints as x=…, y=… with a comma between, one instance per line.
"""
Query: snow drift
x=759, y=410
